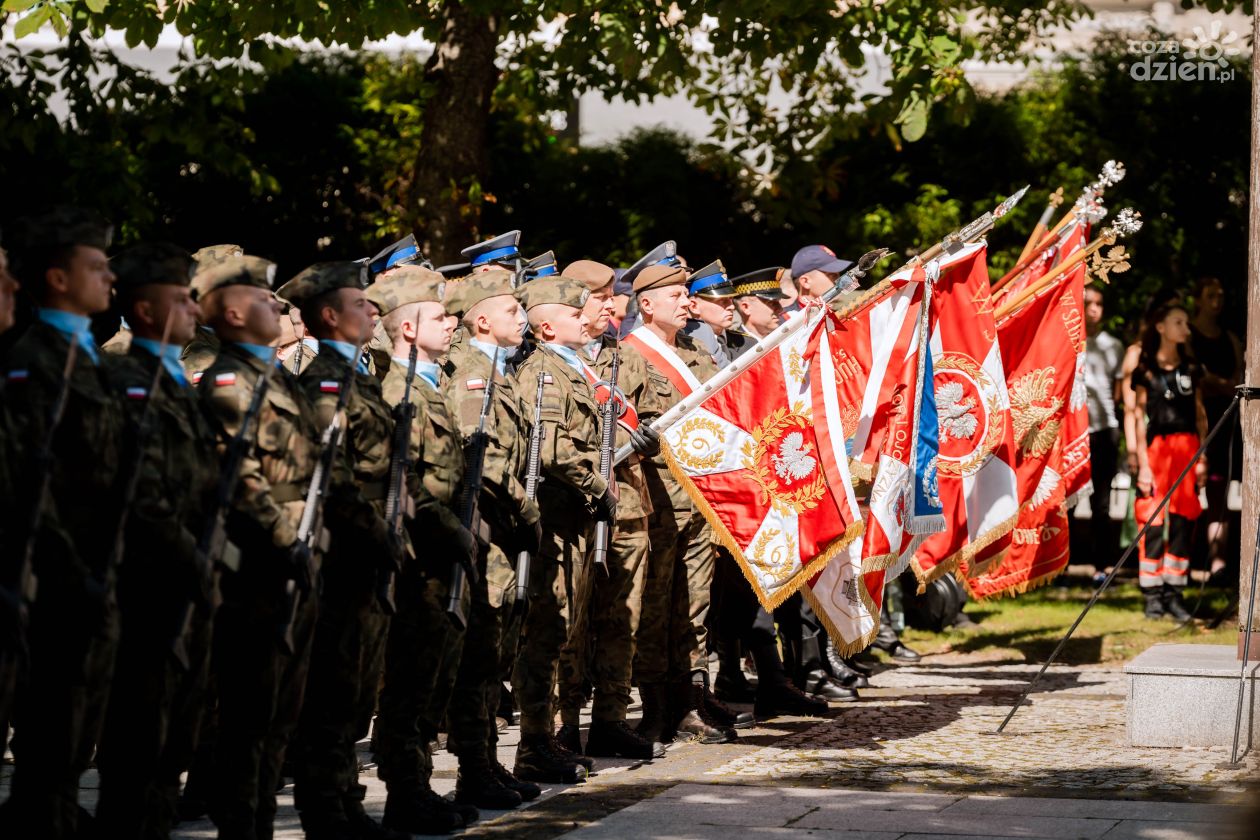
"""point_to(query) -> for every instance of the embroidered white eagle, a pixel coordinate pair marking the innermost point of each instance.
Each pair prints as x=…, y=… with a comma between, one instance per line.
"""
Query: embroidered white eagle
x=954, y=412
x=794, y=461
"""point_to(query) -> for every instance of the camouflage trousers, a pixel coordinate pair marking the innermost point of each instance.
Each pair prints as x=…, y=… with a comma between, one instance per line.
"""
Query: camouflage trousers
x=545, y=627
x=260, y=692
x=468, y=716
x=600, y=647
x=341, y=682
x=60, y=707
x=142, y=740
x=422, y=653
x=671, y=642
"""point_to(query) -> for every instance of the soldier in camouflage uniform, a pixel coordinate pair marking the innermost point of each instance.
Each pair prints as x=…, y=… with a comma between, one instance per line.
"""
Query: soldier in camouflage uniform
x=423, y=648
x=160, y=573
x=259, y=685
x=73, y=626
x=204, y=346
x=671, y=665
x=9, y=642
x=334, y=304
x=492, y=322
x=601, y=648
x=573, y=492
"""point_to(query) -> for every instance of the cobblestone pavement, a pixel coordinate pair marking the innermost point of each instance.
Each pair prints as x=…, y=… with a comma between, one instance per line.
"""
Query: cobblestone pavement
x=919, y=730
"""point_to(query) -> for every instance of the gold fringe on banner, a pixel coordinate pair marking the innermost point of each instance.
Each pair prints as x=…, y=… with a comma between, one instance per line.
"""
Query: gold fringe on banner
x=846, y=649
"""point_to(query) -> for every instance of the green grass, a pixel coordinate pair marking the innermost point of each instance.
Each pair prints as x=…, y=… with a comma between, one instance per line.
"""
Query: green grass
x=1029, y=626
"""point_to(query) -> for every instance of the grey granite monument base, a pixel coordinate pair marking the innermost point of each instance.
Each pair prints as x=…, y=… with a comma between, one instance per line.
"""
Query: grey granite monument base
x=1186, y=696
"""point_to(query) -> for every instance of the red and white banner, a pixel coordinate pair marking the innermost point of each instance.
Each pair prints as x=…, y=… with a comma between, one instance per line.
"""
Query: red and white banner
x=976, y=466
x=764, y=460
x=1075, y=436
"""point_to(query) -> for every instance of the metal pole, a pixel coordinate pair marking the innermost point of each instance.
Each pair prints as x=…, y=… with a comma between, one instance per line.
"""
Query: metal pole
x=1242, y=669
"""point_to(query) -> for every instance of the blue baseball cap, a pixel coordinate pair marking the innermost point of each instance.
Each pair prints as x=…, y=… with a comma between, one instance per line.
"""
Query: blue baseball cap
x=818, y=258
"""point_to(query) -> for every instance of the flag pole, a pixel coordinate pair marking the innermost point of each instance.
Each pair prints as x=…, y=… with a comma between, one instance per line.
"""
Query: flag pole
x=1043, y=224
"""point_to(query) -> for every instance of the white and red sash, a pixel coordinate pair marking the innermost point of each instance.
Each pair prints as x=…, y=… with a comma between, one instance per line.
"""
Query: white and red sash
x=662, y=357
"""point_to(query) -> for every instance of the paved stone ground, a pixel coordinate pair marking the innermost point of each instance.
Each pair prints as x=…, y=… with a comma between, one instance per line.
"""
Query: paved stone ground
x=916, y=758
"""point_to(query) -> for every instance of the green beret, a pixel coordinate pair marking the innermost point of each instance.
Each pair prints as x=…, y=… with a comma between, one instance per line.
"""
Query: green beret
x=212, y=255
x=557, y=289
x=150, y=264
x=320, y=278
x=407, y=284
x=463, y=295
x=64, y=227
x=659, y=276
x=234, y=271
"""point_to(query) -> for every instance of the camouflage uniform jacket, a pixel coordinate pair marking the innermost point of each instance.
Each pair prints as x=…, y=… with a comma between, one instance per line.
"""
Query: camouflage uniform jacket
x=666, y=491
x=271, y=495
x=177, y=473
x=633, y=500
x=200, y=353
x=81, y=517
x=468, y=375
x=570, y=448
x=356, y=505
x=437, y=457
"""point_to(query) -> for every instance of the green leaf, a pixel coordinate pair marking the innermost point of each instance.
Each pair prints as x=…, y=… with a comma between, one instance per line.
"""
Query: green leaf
x=32, y=22
x=17, y=5
x=913, y=118
x=96, y=6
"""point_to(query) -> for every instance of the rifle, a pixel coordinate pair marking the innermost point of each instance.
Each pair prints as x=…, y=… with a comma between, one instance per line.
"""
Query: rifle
x=396, y=498
x=532, y=477
x=470, y=513
x=16, y=603
x=311, y=527
x=213, y=548
x=608, y=412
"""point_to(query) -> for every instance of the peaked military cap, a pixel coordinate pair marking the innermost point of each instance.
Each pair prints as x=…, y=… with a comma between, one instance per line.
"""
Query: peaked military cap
x=595, y=275
x=543, y=265
x=463, y=295
x=404, y=285
x=212, y=255
x=555, y=289
x=659, y=276
x=151, y=264
x=403, y=252
x=64, y=227
x=320, y=278
x=500, y=249
x=453, y=270
x=234, y=271
x=664, y=254
x=710, y=282
x=764, y=283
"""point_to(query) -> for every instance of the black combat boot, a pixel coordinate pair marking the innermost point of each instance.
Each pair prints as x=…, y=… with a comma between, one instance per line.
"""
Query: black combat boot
x=812, y=678
x=614, y=739
x=569, y=737
x=476, y=785
x=727, y=717
x=694, y=720
x=731, y=685
x=1173, y=605
x=537, y=761
x=1154, y=596
x=421, y=811
x=841, y=671
x=775, y=693
x=890, y=643
x=651, y=727
x=528, y=791
x=572, y=755
x=364, y=826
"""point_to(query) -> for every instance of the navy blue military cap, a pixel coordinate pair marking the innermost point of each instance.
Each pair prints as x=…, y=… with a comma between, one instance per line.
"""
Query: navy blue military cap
x=710, y=282
x=501, y=250
x=664, y=254
x=764, y=283
x=543, y=265
x=622, y=286
x=403, y=252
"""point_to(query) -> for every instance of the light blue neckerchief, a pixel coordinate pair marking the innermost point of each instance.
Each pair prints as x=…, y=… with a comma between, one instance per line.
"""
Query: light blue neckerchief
x=72, y=326
x=428, y=371
x=493, y=352
x=348, y=352
x=169, y=356
x=265, y=354
x=569, y=356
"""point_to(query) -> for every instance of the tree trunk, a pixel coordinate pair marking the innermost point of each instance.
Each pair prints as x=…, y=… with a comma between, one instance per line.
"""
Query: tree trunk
x=454, y=142
x=1251, y=410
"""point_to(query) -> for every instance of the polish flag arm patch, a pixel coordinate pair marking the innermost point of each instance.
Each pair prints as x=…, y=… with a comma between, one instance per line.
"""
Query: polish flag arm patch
x=197, y=377
x=475, y=384
x=137, y=393
x=224, y=379
x=19, y=375
x=329, y=386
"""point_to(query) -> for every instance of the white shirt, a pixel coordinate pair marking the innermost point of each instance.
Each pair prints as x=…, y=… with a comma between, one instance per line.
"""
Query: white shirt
x=1104, y=354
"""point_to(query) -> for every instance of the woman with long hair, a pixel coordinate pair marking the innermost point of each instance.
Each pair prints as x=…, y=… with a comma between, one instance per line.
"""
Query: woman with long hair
x=1169, y=422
